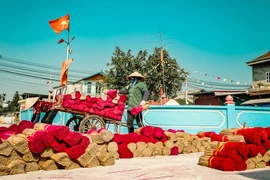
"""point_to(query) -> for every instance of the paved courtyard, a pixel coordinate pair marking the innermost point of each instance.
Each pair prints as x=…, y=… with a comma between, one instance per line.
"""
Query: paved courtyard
x=180, y=167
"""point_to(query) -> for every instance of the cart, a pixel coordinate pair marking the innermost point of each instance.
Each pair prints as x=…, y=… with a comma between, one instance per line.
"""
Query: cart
x=82, y=121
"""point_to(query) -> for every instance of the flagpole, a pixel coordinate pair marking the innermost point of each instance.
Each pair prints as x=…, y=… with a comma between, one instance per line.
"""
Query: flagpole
x=68, y=40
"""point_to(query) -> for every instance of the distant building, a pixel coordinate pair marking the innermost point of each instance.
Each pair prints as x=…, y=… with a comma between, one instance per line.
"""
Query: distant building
x=92, y=85
x=29, y=95
x=217, y=97
x=260, y=90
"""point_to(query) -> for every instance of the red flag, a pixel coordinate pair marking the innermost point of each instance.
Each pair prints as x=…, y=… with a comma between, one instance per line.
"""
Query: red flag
x=64, y=72
x=60, y=24
x=61, y=41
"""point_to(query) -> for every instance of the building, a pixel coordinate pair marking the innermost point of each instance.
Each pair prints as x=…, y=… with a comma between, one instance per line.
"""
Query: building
x=29, y=95
x=92, y=85
x=217, y=97
x=260, y=90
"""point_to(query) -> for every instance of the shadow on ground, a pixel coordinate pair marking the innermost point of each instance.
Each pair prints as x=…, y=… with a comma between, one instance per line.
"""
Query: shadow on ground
x=261, y=175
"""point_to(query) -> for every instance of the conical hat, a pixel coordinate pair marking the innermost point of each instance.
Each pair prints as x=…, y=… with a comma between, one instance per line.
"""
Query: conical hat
x=29, y=102
x=135, y=74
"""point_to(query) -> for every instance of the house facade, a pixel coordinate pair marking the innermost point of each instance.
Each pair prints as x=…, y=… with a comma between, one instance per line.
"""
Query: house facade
x=260, y=91
x=92, y=85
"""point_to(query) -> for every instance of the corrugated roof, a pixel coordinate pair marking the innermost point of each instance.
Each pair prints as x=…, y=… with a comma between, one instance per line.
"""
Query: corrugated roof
x=261, y=59
x=257, y=101
x=264, y=56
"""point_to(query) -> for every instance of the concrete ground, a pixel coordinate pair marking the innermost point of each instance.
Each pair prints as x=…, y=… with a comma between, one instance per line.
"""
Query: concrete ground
x=181, y=167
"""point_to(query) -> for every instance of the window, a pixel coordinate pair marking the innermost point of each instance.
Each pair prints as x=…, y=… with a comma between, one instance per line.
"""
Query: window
x=268, y=77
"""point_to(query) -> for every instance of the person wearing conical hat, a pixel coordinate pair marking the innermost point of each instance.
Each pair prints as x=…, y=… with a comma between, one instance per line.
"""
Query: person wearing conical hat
x=138, y=94
x=38, y=107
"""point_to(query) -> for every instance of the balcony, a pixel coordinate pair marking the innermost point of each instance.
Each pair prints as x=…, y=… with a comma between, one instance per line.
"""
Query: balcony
x=262, y=90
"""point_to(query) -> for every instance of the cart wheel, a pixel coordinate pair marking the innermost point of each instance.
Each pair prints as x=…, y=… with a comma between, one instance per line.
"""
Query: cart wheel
x=91, y=122
x=74, y=123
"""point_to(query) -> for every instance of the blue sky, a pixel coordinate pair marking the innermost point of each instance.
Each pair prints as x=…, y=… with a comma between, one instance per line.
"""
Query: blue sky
x=209, y=36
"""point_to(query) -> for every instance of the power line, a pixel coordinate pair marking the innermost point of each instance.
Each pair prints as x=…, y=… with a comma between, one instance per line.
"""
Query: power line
x=36, y=70
x=42, y=65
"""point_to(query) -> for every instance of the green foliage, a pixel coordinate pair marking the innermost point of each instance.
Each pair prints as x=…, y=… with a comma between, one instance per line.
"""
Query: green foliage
x=14, y=105
x=183, y=101
x=2, y=99
x=149, y=65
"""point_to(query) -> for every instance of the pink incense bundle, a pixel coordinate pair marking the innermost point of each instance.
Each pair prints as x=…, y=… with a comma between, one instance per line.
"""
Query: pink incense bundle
x=118, y=138
x=24, y=124
x=263, y=133
x=73, y=138
x=88, y=98
x=123, y=98
x=221, y=163
x=3, y=129
x=136, y=110
x=58, y=132
x=134, y=137
x=6, y=134
x=231, y=153
x=163, y=139
x=253, y=150
x=84, y=142
x=175, y=131
x=78, y=101
x=35, y=145
x=174, y=151
x=100, y=103
x=118, y=110
x=122, y=146
x=92, y=131
x=261, y=149
x=75, y=152
x=158, y=132
x=67, y=97
x=125, y=153
x=241, y=167
x=82, y=106
x=58, y=147
x=143, y=138
x=77, y=95
x=46, y=137
x=147, y=131
x=267, y=144
x=240, y=147
x=74, y=107
x=218, y=137
x=153, y=140
x=66, y=104
x=15, y=128
x=1, y=140
x=251, y=135
x=112, y=93
x=205, y=134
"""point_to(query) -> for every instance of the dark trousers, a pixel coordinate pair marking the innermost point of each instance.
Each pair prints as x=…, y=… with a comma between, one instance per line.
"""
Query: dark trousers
x=48, y=117
x=130, y=120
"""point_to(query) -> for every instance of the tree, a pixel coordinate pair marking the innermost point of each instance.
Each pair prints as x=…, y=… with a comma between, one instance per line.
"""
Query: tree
x=171, y=78
x=14, y=105
x=123, y=64
x=2, y=99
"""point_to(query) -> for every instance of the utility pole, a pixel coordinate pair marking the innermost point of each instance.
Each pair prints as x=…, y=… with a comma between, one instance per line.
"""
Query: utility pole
x=50, y=82
x=186, y=95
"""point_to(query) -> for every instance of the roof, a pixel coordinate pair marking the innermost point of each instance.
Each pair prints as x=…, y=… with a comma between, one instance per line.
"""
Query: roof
x=101, y=72
x=221, y=92
x=261, y=59
x=257, y=101
x=160, y=102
